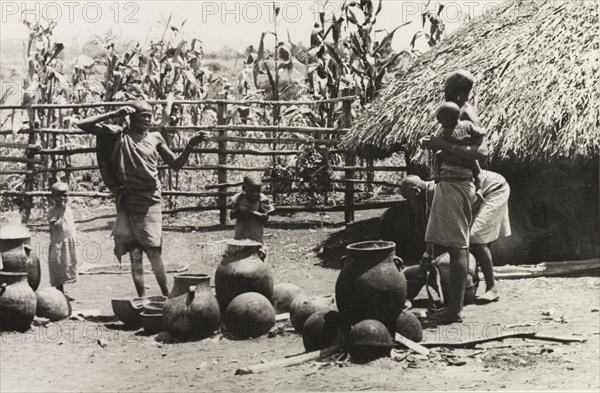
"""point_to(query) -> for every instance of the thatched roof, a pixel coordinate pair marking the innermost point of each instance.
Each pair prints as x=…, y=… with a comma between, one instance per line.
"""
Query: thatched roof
x=536, y=64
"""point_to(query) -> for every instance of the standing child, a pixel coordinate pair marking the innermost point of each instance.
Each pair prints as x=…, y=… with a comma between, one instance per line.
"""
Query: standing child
x=62, y=258
x=250, y=208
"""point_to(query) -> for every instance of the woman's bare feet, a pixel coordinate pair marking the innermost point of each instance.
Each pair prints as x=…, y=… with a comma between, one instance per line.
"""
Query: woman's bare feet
x=491, y=295
x=444, y=317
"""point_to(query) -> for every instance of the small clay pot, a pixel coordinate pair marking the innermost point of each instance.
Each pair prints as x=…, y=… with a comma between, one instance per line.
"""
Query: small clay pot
x=321, y=330
x=52, y=304
x=303, y=307
x=283, y=296
x=409, y=326
x=369, y=340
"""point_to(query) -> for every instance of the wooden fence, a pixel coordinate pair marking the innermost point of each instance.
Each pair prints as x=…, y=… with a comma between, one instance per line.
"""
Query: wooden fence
x=41, y=154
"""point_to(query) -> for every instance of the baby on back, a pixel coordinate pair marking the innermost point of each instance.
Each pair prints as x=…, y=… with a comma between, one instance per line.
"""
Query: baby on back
x=459, y=132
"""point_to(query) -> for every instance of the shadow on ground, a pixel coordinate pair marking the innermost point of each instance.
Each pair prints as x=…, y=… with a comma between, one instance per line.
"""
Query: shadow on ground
x=333, y=248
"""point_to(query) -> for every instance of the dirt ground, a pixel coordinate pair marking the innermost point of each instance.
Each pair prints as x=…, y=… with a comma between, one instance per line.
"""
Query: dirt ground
x=67, y=356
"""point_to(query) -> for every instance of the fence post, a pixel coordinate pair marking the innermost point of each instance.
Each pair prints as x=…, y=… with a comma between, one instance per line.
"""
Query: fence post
x=350, y=160
x=222, y=172
x=29, y=177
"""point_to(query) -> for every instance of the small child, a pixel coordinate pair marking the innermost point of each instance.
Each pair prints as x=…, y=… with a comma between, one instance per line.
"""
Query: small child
x=459, y=132
x=62, y=258
x=250, y=208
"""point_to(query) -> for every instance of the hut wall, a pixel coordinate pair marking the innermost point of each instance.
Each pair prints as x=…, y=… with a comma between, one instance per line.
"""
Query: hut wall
x=554, y=212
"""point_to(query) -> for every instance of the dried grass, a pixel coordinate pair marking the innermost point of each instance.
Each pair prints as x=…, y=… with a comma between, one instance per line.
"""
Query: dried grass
x=536, y=64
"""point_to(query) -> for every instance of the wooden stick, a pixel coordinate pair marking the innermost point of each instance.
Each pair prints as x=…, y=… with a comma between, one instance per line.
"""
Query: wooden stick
x=560, y=339
x=418, y=348
x=535, y=336
x=305, y=357
x=282, y=317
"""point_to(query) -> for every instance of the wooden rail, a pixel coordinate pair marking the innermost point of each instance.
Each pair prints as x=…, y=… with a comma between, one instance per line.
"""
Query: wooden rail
x=47, y=152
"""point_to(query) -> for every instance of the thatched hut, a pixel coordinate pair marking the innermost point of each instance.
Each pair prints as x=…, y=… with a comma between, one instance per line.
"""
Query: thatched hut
x=537, y=70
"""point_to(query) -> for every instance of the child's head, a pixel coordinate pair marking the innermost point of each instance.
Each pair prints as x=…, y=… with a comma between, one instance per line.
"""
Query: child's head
x=458, y=85
x=252, y=188
x=448, y=114
x=60, y=193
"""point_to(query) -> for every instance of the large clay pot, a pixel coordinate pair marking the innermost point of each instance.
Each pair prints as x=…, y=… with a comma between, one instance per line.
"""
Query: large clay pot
x=283, y=296
x=371, y=285
x=242, y=270
x=249, y=315
x=17, y=302
x=194, y=314
x=15, y=248
x=303, y=307
x=183, y=282
x=52, y=304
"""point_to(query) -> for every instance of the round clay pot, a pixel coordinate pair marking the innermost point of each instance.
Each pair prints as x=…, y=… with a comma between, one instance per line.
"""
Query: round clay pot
x=194, y=314
x=17, y=302
x=52, y=304
x=242, y=270
x=284, y=295
x=370, y=285
x=368, y=340
x=409, y=326
x=249, y=315
x=321, y=330
x=303, y=307
x=17, y=256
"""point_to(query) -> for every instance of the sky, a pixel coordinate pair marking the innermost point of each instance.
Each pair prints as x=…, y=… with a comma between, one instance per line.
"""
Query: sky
x=234, y=23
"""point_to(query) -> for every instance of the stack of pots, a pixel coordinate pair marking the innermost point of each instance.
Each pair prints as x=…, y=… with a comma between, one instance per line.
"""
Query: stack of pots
x=243, y=271
x=371, y=288
x=16, y=254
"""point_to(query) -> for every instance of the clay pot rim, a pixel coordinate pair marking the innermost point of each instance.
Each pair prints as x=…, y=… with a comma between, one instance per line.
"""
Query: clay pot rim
x=137, y=302
x=193, y=275
x=13, y=274
x=144, y=314
x=371, y=245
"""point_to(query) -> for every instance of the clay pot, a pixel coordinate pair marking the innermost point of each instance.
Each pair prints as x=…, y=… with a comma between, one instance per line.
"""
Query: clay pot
x=242, y=270
x=442, y=264
x=368, y=340
x=284, y=295
x=17, y=302
x=370, y=285
x=303, y=307
x=321, y=330
x=152, y=323
x=183, y=282
x=194, y=314
x=249, y=315
x=17, y=256
x=52, y=304
x=128, y=310
x=409, y=326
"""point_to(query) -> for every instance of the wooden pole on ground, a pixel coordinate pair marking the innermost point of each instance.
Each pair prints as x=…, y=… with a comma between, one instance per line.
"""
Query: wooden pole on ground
x=305, y=357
